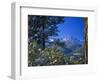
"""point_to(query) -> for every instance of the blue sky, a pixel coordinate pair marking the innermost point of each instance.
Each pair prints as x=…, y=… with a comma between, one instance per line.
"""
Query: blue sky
x=72, y=26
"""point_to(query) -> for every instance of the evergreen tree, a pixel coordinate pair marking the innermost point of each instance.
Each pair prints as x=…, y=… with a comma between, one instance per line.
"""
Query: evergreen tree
x=40, y=28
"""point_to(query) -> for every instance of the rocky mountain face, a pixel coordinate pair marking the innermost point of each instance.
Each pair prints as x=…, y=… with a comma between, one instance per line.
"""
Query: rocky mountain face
x=73, y=45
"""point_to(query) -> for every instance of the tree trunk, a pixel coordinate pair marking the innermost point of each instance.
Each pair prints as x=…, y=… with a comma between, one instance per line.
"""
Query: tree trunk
x=86, y=40
x=43, y=23
x=43, y=38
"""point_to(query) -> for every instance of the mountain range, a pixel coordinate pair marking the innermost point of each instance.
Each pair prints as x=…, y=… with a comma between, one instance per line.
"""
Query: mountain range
x=73, y=45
